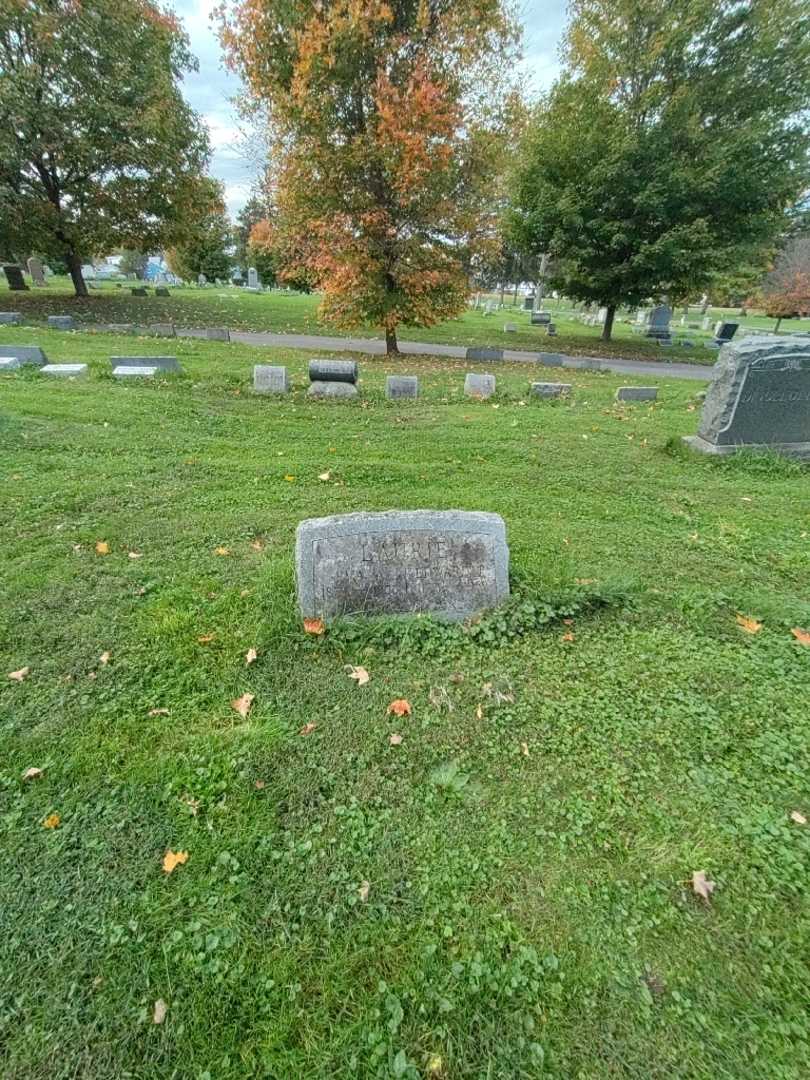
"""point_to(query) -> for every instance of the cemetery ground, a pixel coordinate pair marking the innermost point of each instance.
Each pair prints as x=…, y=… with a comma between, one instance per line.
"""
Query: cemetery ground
x=294, y=313
x=505, y=888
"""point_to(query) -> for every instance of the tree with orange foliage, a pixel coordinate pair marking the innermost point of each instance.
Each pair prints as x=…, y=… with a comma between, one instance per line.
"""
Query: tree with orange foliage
x=387, y=121
x=786, y=289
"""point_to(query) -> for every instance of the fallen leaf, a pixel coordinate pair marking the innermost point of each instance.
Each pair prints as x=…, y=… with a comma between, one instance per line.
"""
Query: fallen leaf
x=290, y=479
x=359, y=674
x=222, y=551
x=479, y=712
x=135, y=555
x=158, y=712
x=172, y=859
x=102, y=547
x=568, y=637
x=524, y=749
x=192, y=803
x=584, y=581
x=456, y=678
x=307, y=729
x=394, y=739
x=104, y=658
x=400, y=707
x=325, y=475
x=32, y=774
x=802, y=636
x=259, y=784
x=18, y=676
x=363, y=891
x=702, y=886
x=314, y=626
x=242, y=704
x=795, y=815
x=749, y=625
x=51, y=821
x=159, y=1014
x=568, y=622
x=257, y=545
x=206, y=639
x=251, y=656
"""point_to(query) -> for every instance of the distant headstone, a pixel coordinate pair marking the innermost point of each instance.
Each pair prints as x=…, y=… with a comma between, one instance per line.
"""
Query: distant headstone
x=218, y=333
x=658, y=322
x=705, y=322
x=550, y=389
x=9, y=363
x=268, y=379
x=510, y=328
x=135, y=371
x=551, y=329
x=65, y=371
x=161, y=363
x=450, y=563
x=637, y=393
x=337, y=390
x=253, y=278
x=402, y=386
x=725, y=331
x=26, y=354
x=139, y=291
x=10, y=318
x=484, y=356
x=601, y=315
x=161, y=290
x=202, y=279
x=163, y=329
x=541, y=318
x=641, y=317
x=342, y=371
x=60, y=322
x=36, y=271
x=14, y=277
x=759, y=398
x=480, y=386
x=528, y=303
x=121, y=328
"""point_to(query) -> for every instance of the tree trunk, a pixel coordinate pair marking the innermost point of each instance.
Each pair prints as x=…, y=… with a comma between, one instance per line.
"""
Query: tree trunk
x=503, y=292
x=75, y=268
x=778, y=324
x=539, y=286
x=391, y=346
x=607, y=329
x=515, y=297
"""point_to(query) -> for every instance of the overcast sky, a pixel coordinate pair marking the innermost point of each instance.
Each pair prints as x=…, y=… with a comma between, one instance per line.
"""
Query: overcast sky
x=211, y=89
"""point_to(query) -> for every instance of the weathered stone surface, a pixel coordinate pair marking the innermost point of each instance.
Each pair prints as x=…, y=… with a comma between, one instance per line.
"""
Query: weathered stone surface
x=550, y=389
x=725, y=331
x=218, y=333
x=135, y=371
x=479, y=385
x=121, y=327
x=162, y=363
x=139, y=292
x=336, y=390
x=9, y=363
x=268, y=379
x=10, y=318
x=402, y=386
x=163, y=329
x=658, y=323
x=510, y=328
x=759, y=397
x=541, y=318
x=15, y=279
x=161, y=290
x=484, y=356
x=26, y=354
x=65, y=371
x=60, y=322
x=35, y=269
x=451, y=563
x=550, y=359
x=253, y=277
x=344, y=371
x=637, y=393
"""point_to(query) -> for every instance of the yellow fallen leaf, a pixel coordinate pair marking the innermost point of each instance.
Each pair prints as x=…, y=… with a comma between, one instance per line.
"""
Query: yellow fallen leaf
x=251, y=656
x=242, y=704
x=206, y=639
x=395, y=739
x=746, y=623
x=363, y=891
x=479, y=712
x=172, y=859
x=702, y=886
x=222, y=551
x=798, y=817
x=325, y=475
x=32, y=774
x=104, y=658
x=400, y=707
x=307, y=729
x=51, y=821
x=159, y=1013
x=359, y=674
x=135, y=555
x=290, y=479
x=18, y=676
x=102, y=547
x=314, y=626
x=524, y=749
x=802, y=636
x=158, y=712
x=257, y=545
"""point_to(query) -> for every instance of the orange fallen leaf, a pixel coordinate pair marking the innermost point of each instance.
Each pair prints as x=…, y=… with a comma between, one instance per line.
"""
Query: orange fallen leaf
x=363, y=891
x=568, y=637
x=749, y=625
x=222, y=551
x=251, y=656
x=257, y=545
x=359, y=674
x=18, y=676
x=172, y=859
x=395, y=739
x=802, y=636
x=104, y=658
x=32, y=774
x=798, y=817
x=158, y=712
x=206, y=639
x=102, y=547
x=242, y=704
x=159, y=1012
x=400, y=707
x=307, y=729
x=702, y=886
x=51, y=821
x=314, y=626
x=259, y=784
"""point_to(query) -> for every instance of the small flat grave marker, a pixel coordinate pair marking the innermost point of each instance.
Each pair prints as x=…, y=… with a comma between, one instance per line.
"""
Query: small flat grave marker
x=218, y=333
x=484, y=356
x=9, y=363
x=551, y=359
x=26, y=354
x=65, y=371
x=10, y=318
x=637, y=393
x=162, y=363
x=163, y=329
x=510, y=328
x=402, y=386
x=135, y=371
x=479, y=385
x=550, y=389
x=336, y=390
x=268, y=379
x=60, y=322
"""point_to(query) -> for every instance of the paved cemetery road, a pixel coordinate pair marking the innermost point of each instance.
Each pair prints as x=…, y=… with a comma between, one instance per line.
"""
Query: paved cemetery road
x=648, y=368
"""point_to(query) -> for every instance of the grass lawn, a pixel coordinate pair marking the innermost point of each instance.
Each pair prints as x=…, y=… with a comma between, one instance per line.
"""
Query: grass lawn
x=505, y=894
x=282, y=312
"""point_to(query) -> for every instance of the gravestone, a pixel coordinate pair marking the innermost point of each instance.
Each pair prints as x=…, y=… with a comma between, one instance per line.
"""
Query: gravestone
x=162, y=363
x=10, y=318
x=26, y=354
x=163, y=329
x=135, y=371
x=637, y=393
x=480, y=386
x=337, y=390
x=449, y=563
x=65, y=371
x=36, y=271
x=601, y=315
x=341, y=371
x=139, y=291
x=202, y=280
x=551, y=359
x=253, y=278
x=121, y=328
x=550, y=389
x=218, y=333
x=528, y=303
x=551, y=329
x=725, y=331
x=759, y=398
x=162, y=291
x=510, y=328
x=14, y=277
x=268, y=379
x=401, y=386
x=484, y=356
x=641, y=317
x=705, y=323
x=9, y=363
x=60, y=322
x=658, y=322
x=541, y=318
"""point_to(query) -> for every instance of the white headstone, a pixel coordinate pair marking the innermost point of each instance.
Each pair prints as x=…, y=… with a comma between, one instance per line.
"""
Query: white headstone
x=253, y=278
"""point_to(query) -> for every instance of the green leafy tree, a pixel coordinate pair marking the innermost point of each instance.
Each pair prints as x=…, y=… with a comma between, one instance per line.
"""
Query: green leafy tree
x=98, y=149
x=133, y=262
x=208, y=240
x=672, y=144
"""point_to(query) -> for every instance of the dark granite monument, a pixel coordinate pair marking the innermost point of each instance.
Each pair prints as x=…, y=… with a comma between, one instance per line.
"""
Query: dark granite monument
x=14, y=277
x=759, y=398
x=162, y=363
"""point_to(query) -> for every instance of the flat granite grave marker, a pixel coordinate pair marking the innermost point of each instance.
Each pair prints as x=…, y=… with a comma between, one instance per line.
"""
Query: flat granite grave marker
x=478, y=385
x=162, y=363
x=484, y=356
x=9, y=363
x=268, y=379
x=162, y=291
x=541, y=318
x=121, y=327
x=218, y=333
x=337, y=390
x=551, y=359
x=450, y=563
x=10, y=318
x=65, y=371
x=759, y=398
x=510, y=328
x=15, y=279
x=135, y=371
x=637, y=393
x=26, y=354
x=550, y=389
x=344, y=371
x=60, y=322
x=401, y=386
x=163, y=329
x=139, y=292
